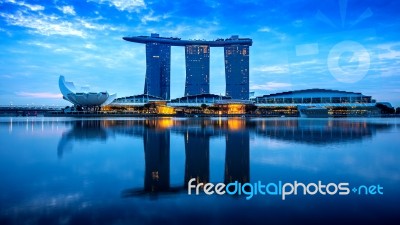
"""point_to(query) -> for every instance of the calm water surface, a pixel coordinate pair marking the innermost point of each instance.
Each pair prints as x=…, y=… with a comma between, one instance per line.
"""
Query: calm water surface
x=135, y=171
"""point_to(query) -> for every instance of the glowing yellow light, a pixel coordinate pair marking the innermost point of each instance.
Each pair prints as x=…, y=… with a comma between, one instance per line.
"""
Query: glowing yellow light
x=166, y=110
x=236, y=109
x=165, y=123
x=235, y=124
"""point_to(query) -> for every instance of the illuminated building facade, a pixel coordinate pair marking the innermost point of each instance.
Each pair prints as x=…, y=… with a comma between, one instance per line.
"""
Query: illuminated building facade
x=197, y=54
x=197, y=69
x=84, y=99
x=158, y=69
x=317, y=97
x=237, y=70
x=338, y=103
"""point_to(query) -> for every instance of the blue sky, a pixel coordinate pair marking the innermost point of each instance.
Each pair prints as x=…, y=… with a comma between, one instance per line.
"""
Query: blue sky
x=349, y=45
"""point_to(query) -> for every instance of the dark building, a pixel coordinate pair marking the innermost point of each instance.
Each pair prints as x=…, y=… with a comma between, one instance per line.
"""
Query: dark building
x=237, y=70
x=158, y=55
x=197, y=69
x=158, y=69
x=316, y=96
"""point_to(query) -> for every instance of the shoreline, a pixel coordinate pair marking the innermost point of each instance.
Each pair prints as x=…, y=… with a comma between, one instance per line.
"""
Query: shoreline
x=152, y=115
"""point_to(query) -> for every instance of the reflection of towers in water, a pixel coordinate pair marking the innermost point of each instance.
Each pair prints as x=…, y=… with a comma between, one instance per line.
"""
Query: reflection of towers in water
x=237, y=156
x=197, y=151
x=157, y=151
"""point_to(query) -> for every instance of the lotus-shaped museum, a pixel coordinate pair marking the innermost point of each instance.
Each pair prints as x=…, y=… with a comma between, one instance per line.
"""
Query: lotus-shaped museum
x=84, y=99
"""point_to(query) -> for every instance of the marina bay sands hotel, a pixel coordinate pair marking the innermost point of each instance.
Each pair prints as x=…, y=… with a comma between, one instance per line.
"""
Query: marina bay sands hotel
x=197, y=55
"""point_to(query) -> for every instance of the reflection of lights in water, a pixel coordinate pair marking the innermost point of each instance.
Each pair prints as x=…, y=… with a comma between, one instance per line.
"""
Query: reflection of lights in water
x=154, y=175
x=349, y=73
x=165, y=123
x=11, y=125
x=235, y=124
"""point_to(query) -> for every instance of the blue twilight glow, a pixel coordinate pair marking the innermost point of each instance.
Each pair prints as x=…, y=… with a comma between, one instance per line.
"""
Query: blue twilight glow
x=348, y=45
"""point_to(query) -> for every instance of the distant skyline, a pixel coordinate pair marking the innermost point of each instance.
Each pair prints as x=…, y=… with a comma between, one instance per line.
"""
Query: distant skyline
x=349, y=45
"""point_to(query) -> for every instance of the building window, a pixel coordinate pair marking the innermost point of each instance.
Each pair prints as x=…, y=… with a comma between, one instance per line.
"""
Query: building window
x=316, y=100
x=335, y=99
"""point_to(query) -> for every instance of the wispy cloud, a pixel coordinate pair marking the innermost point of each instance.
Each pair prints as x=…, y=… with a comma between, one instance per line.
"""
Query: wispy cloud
x=151, y=18
x=280, y=35
x=212, y=3
x=90, y=46
x=38, y=94
x=123, y=5
x=40, y=44
x=55, y=48
x=273, y=69
x=67, y=9
x=43, y=24
x=48, y=25
x=100, y=27
x=389, y=51
x=29, y=6
x=269, y=86
x=6, y=32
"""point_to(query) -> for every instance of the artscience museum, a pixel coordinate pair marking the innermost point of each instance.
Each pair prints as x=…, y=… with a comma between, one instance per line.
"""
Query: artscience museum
x=82, y=97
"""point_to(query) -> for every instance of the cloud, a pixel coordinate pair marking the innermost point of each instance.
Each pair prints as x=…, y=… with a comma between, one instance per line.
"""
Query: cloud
x=40, y=44
x=55, y=48
x=90, y=46
x=124, y=5
x=307, y=49
x=389, y=51
x=212, y=3
x=94, y=26
x=271, y=86
x=151, y=18
x=68, y=10
x=273, y=69
x=6, y=32
x=281, y=36
x=39, y=95
x=48, y=25
x=29, y=6
x=43, y=24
